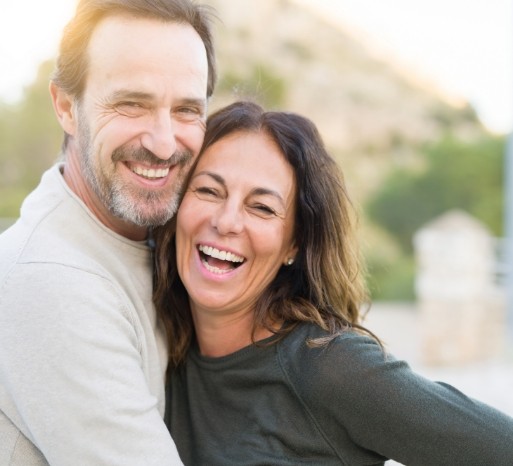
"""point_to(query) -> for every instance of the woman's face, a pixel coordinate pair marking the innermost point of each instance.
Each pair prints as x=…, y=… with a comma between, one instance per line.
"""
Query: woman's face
x=235, y=223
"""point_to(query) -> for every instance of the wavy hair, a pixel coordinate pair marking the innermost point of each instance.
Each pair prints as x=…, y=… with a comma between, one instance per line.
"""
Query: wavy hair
x=325, y=284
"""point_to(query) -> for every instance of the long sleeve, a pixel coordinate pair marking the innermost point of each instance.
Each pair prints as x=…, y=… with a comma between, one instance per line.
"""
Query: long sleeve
x=343, y=404
x=72, y=361
x=356, y=391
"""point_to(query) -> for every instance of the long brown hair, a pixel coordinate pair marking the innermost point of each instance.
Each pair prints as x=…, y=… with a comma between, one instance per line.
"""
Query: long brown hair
x=325, y=283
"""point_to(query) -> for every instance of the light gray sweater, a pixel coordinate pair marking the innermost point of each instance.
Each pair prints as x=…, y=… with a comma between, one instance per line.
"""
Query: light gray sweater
x=81, y=358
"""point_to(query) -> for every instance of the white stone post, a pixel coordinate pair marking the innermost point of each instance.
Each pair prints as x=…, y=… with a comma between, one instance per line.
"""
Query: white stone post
x=462, y=312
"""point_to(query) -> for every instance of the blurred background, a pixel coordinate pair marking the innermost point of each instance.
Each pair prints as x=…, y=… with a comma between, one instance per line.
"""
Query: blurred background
x=414, y=99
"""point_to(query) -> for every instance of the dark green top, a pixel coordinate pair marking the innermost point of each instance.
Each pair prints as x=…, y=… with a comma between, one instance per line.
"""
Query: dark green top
x=347, y=403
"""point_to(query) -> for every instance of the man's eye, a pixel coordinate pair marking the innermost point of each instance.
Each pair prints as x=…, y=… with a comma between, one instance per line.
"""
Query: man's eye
x=189, y=113
x=130, y=104
x=129, y=108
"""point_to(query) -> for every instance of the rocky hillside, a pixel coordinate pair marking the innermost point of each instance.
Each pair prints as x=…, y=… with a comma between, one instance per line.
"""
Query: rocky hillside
x=371, y=115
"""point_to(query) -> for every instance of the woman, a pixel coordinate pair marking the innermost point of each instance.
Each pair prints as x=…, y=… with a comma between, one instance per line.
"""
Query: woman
x=260, y=289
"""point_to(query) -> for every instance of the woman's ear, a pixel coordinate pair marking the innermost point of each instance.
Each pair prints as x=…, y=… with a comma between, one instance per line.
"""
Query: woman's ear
x=64, y=109
x=291, y=255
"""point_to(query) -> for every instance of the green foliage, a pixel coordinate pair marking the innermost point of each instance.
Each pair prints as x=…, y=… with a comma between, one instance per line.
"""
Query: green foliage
x=390, y=272
x=30, y=138
x=299, y=49
x=465, y=175
x=449, y=117
x=391, y=281
x=10, y=201
x=263, y=85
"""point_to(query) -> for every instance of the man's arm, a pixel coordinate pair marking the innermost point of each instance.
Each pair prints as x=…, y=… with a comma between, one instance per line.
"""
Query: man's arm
x=73, y=365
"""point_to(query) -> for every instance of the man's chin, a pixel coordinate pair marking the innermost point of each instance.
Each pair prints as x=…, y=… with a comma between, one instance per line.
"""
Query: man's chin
x=150, y=211
x=145, y=217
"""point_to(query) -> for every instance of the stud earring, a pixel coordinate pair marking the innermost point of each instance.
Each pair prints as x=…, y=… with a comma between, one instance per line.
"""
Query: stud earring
x=290, y=261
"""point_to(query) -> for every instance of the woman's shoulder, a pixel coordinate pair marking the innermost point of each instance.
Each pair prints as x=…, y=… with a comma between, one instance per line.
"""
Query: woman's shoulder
x=305, y=342
x=347, y=361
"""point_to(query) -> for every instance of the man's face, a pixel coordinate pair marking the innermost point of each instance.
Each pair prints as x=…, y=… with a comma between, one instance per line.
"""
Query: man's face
x=141, y=119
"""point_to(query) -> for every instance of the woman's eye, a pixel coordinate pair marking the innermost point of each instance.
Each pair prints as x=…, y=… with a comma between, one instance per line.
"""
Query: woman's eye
x=205, y=191
x=264, y=209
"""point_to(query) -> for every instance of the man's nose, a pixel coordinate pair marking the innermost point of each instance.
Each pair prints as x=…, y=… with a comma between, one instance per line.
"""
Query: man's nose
x=159, y=138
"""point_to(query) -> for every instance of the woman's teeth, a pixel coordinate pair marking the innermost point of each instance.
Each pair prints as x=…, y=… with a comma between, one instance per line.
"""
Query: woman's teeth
x=221, y=255
x=218, y=262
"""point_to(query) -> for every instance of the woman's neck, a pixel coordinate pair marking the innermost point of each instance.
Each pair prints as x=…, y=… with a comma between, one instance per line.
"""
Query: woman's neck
x=220, y=335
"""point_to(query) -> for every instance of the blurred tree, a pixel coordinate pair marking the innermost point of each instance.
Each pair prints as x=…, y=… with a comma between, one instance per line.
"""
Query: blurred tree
x=261, y=82
x=391, y=280
x=457, y=174
x=30, y=139
x=390, y=271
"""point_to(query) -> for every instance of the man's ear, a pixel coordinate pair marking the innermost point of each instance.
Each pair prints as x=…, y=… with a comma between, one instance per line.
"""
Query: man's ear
x=64, y=109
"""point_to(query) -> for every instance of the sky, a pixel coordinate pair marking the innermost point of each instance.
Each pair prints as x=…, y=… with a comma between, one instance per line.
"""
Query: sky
x=463, y=48
x=29, y=34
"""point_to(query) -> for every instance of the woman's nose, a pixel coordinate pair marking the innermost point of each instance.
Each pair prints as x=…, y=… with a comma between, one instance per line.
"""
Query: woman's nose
x=228, y=219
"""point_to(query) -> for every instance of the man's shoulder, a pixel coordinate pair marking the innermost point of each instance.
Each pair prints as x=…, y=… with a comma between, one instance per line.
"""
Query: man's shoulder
x=51, y=236
x=55, y=227
x=37, y=208
x=16, y=447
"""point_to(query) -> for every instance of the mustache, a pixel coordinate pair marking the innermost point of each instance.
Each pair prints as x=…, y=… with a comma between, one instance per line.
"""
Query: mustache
x=143, y=155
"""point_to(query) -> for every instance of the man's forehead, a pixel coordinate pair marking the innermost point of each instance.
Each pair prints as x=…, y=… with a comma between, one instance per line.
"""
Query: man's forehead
x=125, y=47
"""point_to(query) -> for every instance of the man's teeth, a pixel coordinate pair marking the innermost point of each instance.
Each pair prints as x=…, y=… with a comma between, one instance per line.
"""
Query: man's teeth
x=151, y=172
x=222, y=255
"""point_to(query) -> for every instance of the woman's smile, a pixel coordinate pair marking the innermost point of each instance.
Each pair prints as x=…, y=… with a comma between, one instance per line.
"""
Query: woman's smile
x=219, y=261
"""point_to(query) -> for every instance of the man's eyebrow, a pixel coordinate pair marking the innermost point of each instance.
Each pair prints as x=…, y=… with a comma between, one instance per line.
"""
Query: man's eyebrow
x=199, y=102
x=129, y=94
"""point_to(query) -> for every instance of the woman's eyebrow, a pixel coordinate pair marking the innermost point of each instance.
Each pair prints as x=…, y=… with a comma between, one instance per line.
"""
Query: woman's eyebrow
x=213, y=175
x=255, y=192
x=268, y=192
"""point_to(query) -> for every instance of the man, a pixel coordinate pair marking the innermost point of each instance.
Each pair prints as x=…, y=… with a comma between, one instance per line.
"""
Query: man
x=82, y=356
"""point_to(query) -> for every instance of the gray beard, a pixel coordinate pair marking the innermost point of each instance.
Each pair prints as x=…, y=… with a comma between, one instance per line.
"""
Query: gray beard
x=140, y=207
